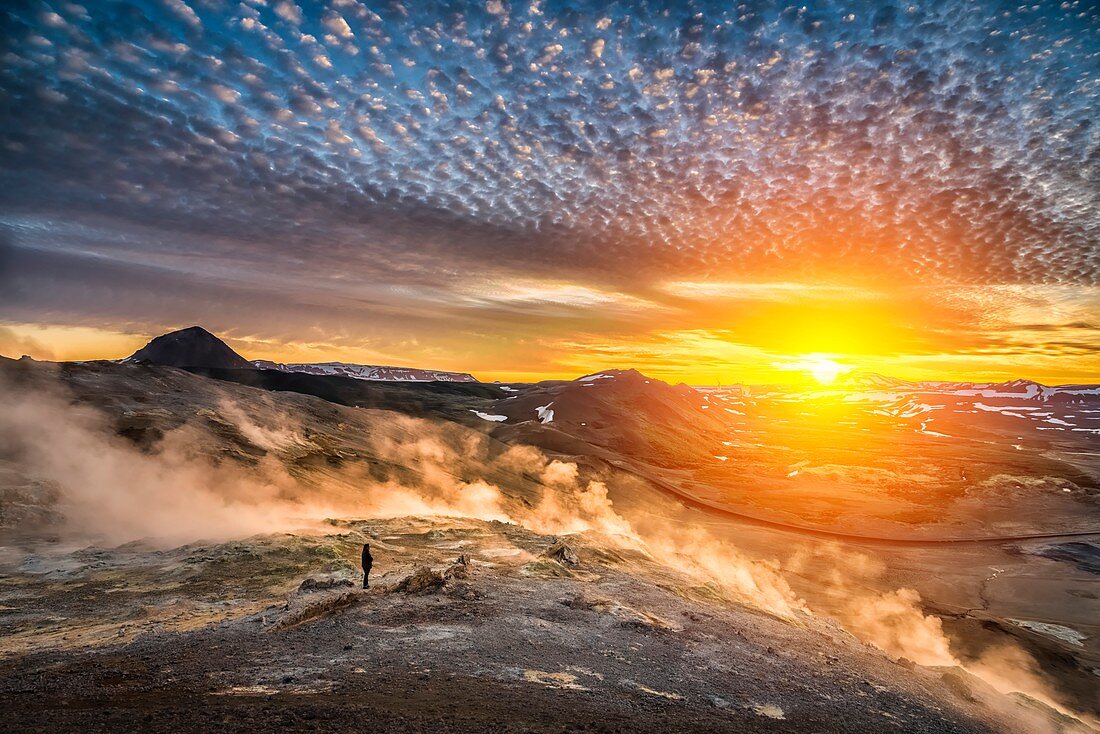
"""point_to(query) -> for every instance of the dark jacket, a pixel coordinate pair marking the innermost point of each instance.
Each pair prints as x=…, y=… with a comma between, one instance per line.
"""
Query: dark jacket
x=368, y=559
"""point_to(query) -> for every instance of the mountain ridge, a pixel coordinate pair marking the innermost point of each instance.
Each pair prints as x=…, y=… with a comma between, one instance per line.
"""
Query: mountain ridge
x=365, y=371
x=196, y=348
x=1019, y=387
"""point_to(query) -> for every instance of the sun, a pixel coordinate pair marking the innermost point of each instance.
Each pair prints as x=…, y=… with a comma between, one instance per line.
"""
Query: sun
x=825, y=371
x=822, y=369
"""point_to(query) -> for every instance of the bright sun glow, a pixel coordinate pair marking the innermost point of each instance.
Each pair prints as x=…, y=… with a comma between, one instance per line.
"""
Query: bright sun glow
x=824, y=370
x=821, y=368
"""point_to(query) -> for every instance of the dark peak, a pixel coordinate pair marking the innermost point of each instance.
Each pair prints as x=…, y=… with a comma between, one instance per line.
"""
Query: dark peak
x=192, y=334
x=195, y=330
x=190, y=347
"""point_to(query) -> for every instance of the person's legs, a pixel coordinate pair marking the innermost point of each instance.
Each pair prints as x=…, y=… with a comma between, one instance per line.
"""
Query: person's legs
x=366, y=578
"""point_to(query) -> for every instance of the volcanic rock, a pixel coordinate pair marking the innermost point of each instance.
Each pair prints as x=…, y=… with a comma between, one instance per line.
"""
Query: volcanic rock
x=191, y=347
x=312, y=585
x=563, y=553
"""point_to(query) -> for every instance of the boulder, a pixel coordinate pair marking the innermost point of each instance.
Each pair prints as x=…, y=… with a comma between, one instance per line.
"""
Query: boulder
x=311, y=585
x=460, y=569
x=421, y=580
x=314, y=607
x=425, y=579
x=563, y=553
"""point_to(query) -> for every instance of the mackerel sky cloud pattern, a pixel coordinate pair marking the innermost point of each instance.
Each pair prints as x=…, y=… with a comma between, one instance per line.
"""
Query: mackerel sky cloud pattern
x=950, y=139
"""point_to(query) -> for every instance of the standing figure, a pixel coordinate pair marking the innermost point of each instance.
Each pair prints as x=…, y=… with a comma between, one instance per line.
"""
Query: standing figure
x=368, y=561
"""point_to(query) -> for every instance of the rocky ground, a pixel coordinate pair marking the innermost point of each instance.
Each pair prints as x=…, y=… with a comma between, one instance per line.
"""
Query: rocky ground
x=659, y=615
x=523, y=633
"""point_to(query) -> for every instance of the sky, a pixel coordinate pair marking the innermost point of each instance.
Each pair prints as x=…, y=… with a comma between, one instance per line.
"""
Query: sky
x=708, y=192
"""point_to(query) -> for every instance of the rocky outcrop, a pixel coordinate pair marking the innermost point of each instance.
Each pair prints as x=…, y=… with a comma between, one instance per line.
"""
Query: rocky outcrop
x=423, y=579
x=563, y=553
x=315, y=607
x=312, y=585
x=427, y=580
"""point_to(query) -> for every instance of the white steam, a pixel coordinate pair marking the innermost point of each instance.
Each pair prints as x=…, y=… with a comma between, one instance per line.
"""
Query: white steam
x=111, y=489
x=895, y=622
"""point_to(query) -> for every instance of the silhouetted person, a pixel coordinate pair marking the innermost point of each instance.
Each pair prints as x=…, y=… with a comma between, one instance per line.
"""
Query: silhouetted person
x=368, y=561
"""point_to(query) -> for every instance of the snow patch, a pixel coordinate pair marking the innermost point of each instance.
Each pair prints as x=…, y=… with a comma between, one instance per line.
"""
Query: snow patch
x=489, y=416
x=924, y=429
x=1002, y=408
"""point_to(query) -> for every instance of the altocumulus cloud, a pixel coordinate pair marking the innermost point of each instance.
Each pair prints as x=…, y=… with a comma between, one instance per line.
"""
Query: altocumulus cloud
x=260, y=145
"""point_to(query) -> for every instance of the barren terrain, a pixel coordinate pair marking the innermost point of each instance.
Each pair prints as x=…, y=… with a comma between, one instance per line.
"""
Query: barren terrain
x=182, y=550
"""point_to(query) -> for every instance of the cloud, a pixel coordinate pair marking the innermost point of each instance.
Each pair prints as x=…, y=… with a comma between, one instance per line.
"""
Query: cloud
x=14, y=345
x=610, y=150
x=748, y=139
x=185, y=13
x=289, y=12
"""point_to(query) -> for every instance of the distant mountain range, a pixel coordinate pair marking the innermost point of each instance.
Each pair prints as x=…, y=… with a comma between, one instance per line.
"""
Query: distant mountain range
x=1022, y=389
x=197, y=348
x=367, y=371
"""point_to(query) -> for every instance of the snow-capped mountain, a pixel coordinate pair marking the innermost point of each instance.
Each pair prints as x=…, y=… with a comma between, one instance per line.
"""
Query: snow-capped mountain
x=366, y=371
